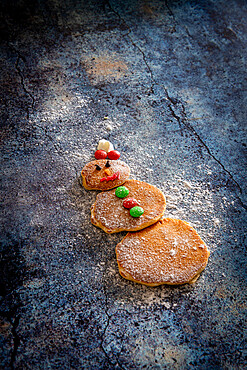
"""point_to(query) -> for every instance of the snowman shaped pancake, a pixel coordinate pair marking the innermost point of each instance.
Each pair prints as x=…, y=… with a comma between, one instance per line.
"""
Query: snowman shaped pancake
x=155, y=251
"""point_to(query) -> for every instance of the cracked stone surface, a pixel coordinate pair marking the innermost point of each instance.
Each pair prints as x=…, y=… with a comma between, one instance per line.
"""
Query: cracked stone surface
x=165, y=81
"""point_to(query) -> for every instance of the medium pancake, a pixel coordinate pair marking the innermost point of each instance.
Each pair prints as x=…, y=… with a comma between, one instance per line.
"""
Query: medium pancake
x=91, y=176
x=109, y=214
x=169, y=252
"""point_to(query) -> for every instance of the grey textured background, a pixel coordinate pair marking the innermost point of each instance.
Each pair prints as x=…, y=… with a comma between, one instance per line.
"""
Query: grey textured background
x=165, y=81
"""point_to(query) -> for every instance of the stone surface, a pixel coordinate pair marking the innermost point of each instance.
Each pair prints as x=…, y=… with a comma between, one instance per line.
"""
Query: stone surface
x=165, y=81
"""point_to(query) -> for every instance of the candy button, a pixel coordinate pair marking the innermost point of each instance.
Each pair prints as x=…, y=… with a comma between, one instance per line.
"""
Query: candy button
x=130, y=203
x=122, y=192
x=136, y=211
x=113, y=154
x=100, y=154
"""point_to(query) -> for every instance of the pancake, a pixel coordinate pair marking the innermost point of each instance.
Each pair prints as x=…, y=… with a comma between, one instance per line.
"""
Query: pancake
x=109, y=214
x=169, y=252
x=91, y=176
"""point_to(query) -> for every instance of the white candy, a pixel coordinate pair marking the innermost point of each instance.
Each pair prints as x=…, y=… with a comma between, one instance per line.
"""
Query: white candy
x=105, y=145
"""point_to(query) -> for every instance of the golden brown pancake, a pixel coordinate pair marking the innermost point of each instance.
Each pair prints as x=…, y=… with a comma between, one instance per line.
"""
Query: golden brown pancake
x=91, y=176
x=169, y=252
x=109, y=214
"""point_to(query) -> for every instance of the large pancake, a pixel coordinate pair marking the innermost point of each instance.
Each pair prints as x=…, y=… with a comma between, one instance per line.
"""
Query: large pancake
x=169, y=252
x=91, y=176
x=109, y=214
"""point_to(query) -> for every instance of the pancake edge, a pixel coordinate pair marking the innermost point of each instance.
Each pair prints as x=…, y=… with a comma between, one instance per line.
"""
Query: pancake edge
x=127, y=276
x=143, y=226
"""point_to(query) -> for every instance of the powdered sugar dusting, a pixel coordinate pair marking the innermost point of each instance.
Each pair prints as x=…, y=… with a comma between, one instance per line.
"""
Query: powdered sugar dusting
x=108, y=211
x=166, y=252
x=92, y=176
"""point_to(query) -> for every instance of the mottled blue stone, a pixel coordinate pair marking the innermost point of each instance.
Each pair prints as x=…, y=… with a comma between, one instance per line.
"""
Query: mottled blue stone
x=165, y=82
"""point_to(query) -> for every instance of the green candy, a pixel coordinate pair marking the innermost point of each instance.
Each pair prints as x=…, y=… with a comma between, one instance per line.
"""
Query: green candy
x=121, y=192
x=136, y=211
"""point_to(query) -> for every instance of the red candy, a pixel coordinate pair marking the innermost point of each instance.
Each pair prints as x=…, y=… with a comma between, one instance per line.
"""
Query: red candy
x=115, y=176
x=130, y=203
x=113, y=154
x=100, y=154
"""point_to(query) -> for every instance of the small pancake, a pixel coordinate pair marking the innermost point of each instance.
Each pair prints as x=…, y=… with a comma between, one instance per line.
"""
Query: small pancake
x=91, y=176
x=109, y=214
x=169, y=252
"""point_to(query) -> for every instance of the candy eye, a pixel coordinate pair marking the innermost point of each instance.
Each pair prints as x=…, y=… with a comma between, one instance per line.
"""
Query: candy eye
x=107, y=164
x=98, y=168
